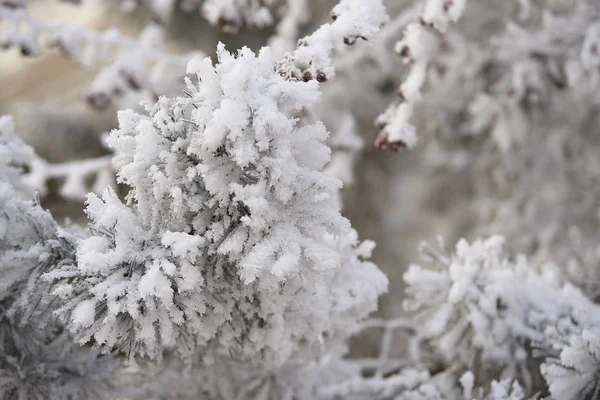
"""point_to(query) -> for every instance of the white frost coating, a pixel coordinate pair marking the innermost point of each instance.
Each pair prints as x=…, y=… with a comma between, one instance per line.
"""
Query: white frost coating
x=467, y=380
x=353, y=20
x=232, y=237
x=37, y=360
x=400, y=130
x=182, y=244
x=83, y=314
x=441, y=12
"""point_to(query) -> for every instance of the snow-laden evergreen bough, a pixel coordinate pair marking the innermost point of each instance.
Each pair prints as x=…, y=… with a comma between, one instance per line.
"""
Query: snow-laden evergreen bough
x=231, y=238
x=38, y=359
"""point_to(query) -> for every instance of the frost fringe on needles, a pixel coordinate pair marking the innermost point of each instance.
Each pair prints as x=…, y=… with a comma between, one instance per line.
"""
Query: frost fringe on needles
x=38, y=360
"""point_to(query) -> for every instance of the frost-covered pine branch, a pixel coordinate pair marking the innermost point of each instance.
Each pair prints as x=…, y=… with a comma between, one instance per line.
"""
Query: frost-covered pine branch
x=512, y=107
x=504, y=329
x=38, y=359
x=231, y=238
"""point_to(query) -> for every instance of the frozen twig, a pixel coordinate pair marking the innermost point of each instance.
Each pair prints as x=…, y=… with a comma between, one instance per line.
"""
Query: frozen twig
x=420, y=41
x=352, y=20
x=74, y=173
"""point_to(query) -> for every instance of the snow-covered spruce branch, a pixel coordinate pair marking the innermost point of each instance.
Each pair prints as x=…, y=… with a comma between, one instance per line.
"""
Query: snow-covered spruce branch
x=28, y=233
x=130, y=64
x=421, y=39
x=38, y=359
x=573, y=372
x=232, y=239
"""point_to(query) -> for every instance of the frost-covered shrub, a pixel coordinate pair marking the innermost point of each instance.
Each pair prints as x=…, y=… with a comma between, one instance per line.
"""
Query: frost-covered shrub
x=232, y=237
